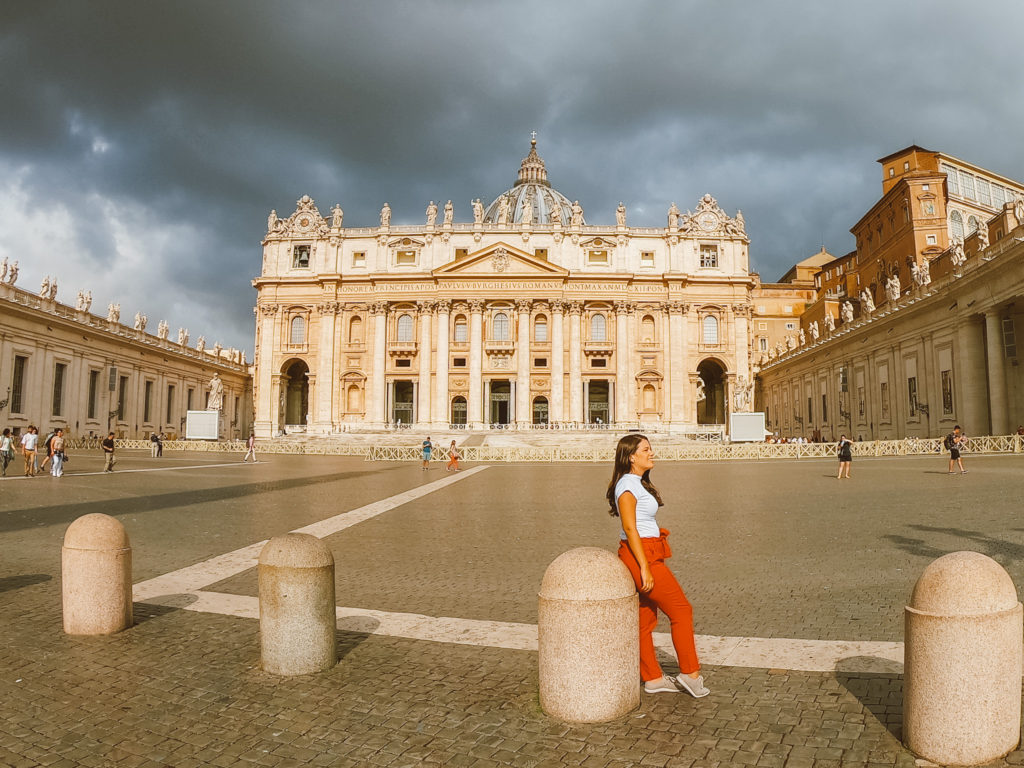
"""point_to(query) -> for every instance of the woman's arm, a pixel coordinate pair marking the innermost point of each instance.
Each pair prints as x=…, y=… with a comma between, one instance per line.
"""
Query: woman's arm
x=627, y=513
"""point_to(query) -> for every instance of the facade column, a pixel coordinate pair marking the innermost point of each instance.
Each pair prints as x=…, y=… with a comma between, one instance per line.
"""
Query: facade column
x=741, y=339
x=996, y=372
x=971, y=394
x=426, y=309
x=575, y=362
x=676, y=350
x=523, y=411
x=441, y=415
x=267, y=385
x=623, y=358
x=277, y=394
x=556, y=408
x=476, y=374
x=323, y=412
x=378, y=382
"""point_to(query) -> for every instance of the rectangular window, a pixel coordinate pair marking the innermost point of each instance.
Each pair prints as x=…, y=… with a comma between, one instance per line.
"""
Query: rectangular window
x=998, y=196
x=947, y=393
x=300, y=257
x=58, y=388
x=147, y=402
x=94, y=390
x=235, y=418
x=952, y=179
x=912, y=394
x=824, y=408
x=709, y=256
x=403, y=362
x=18, y=384
x=405, y=258
x=984, y=192
x=188, y=401
x=925, y=187
x=763, y=344
x=762, y=326
x=790, y=326
x=860, y=400
x=1009, y=337
x=122, y=397
x=597, y=257
x=461, y=331
x=541, y=253
x=967, y=186
x=461, y=253
x=598, y=362
x=359, y=259
x=647, y=259
x=170, y=403
x=458, y=362
x=930, y=239
x=883, y=397
x=788, y=308
x=810, y=410
x=540, y=362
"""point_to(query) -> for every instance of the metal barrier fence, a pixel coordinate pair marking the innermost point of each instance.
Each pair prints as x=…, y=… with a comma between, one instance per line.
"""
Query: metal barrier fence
x=696, y=451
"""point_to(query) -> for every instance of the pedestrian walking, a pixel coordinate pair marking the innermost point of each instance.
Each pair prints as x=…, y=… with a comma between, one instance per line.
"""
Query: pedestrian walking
x=57, y=454
x=427, y=448
x=47, y=451
x=844, y=450
x=108, y=452
x=643, y=548
x=160, y=445
x=154, y=445
x=250, y=448
x=29, y=442
x=6, y=450
x=952, y=444
x=453, y=458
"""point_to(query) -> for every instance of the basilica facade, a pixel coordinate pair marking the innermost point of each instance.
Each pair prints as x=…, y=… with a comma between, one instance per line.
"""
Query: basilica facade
x=524, y=317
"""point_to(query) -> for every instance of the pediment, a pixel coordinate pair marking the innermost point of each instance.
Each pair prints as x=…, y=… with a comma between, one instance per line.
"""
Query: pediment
x=500, y=260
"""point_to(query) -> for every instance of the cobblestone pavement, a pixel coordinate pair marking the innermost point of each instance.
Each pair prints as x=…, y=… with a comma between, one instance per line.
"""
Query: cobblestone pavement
x=763, y=549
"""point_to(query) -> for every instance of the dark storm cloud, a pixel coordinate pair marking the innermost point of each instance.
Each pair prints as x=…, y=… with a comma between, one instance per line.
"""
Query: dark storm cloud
x=163, y=132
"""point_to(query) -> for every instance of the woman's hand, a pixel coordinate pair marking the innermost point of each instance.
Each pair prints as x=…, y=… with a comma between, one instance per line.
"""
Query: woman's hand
x=646, y=578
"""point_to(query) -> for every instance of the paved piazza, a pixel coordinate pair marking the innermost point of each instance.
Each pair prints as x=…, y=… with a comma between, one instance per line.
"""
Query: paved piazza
x=798, y=582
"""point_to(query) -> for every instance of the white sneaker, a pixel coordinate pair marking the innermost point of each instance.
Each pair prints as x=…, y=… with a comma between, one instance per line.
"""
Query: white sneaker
x=694, y=687
x=661, y=685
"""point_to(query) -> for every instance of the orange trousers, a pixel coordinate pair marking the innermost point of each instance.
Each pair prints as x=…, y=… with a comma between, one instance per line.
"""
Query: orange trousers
x=667, y=596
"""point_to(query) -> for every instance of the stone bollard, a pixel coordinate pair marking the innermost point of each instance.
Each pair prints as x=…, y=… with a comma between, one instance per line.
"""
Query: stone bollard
x=298, y=617
x=589, y=637
x=962, y=673
x=96, y=576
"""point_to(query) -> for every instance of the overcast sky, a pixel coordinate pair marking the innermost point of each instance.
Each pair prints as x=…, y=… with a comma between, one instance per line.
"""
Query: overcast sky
x=142, y=144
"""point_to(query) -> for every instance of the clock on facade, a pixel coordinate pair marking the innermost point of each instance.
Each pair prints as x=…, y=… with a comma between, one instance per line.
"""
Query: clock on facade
x=707, y=221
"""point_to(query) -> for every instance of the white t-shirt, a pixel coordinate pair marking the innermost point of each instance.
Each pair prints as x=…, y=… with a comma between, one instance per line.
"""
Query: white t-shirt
x=646, y=506
x=29, y=441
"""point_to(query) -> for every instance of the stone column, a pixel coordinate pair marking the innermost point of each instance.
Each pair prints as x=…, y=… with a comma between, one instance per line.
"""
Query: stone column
x=676, y=350
x=323, y=416
x=377, y=389
x=996, y=372
x=970, y=394
x=556, y=409
x=741, y=339
x=476, y=363
x=423, y=414
x=575, y=363
x=441, y=414
x=623, y=356
x=523, y=414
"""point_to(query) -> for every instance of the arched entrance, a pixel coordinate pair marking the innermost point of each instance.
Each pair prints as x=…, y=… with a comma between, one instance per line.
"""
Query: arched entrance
x=711, y=410
x=598, y=401
x=295, y=393
x=458, y=410
x=540, y=410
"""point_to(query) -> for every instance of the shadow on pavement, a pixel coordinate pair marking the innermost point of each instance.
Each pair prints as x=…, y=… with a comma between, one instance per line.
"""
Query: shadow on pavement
x=25, y=580
x=143, y=612
x=880, y=693
x=18, y=519
x=1007, y=553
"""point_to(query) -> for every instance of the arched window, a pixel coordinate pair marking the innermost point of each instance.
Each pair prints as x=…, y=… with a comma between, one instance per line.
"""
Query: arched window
x=354, y=399
x=597, y=328
x=649, y=398
x=501, y=327
x=972, y=225
x=647, y=329
x=355, y=330
x=405, y=328
x=956, y=225
x=458, y=410
x=461, y=329
x=710, y=327
x=540, y=329
x=298, y=330
x=540, y=410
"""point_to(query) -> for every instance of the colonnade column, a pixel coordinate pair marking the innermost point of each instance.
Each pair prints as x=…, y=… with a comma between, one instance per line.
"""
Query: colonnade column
x=266, y=425
x=523, y=414
x=441, y=415
x=575, y=355
x=277, y=397
x=623, y=355
x=971, y=399
x=423, y=415
x=676, y=350
x=556, y=411
x=323, y=412
x=996, y=372
x=378, y=382
x=476, y=379
x=741, y=320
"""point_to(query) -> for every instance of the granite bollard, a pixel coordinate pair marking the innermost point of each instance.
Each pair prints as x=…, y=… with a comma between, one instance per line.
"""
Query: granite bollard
x=588, y=637
x=297, y=610
x=96, y=576
x=962, y=673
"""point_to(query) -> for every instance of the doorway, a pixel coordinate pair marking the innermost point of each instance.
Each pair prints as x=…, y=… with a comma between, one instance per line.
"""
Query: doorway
x=711, y=410
x=598, y=401
x=401, y=402
x=499, y=407
x=295, y=384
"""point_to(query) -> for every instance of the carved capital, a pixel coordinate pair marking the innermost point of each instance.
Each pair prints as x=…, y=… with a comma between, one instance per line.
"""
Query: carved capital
x=269, y=309
x=557, y=306
x=476, y=306
x=524, y=305
x=623, y=307
x=328, y=308
x=443, y=306
x=379, y=308
x=426, y=306
x=674, y=307
x=541, y=306
x=575, y=307
x=460, y=306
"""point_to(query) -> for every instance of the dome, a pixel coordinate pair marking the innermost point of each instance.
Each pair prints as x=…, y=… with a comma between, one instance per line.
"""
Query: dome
x=532, y=189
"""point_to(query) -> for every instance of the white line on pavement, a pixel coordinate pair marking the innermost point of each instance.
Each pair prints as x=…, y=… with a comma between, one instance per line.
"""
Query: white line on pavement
x=194, y=577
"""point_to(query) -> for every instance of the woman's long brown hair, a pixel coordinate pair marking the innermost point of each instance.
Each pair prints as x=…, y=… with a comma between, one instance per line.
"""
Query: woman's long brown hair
x=623, y=451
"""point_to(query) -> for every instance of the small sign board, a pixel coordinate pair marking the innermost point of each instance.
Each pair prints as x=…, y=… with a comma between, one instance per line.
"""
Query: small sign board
x=747, y=427
x=202, y=425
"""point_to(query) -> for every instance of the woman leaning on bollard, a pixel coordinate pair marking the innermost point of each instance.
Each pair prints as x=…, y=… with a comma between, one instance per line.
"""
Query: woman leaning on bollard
x=643, y=547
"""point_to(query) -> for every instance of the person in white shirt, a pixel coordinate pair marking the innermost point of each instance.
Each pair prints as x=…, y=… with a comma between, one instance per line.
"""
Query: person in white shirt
x=643, y=548
x=29, y=441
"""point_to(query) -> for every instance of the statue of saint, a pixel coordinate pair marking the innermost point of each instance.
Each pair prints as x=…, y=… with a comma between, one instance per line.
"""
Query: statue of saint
x=44, y=288
x=556, y=213
x=982, y=236
x=926, y=272
x=88, y=301
x=866, y=301
x=802, y=338
x=673, y=217
x=79, y=300
x=815, y=333
x=53, y=289
x=503, y=210
x=138, y=321
x=620, y=215
x=272, y=222
x=830, y=322
x=201, y=344
x=217, y=349
x=337, y=216
x=478, y=211
x=527, y=217
x=216, y=401
x=741, y=224
x=182, y=336
x=162, y=330
x=790, y=342
x=847, y=312
x=893, y=289
x=701, y=395
x=449, y=213
x=3, y=270
x=13, y=276
x=385, y=215
x=957, y=255
x=577, y=214
x=741, y=398
x=431, y=214
x=1018, y=210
